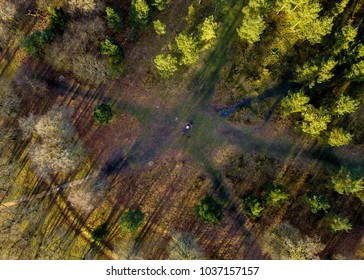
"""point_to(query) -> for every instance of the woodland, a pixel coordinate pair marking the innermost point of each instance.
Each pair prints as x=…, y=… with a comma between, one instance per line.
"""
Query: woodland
x=182, y=129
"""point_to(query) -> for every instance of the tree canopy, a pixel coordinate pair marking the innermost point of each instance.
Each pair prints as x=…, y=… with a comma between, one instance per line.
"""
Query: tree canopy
x=209, y=210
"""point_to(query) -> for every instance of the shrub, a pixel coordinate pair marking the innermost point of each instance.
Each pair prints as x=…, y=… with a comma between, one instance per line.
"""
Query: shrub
x=103, y=114
x=130, y=220
x=209, y=210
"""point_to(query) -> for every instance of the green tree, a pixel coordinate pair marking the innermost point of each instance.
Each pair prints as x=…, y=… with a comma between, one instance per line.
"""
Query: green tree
x=344, y=183
x=159, y=27
x=115, y=56
x=307, y=73
x=187, y=48
x=317, y=70
x=103, y=114
x=110, y=48
x=252, y=207
x=131, y=220
x=35, y=43
x=207, y=31
x=356, y=72
x=345, y=105
x=160, y=4
x=338, y=137
x=339, y=7
x=294, y=103
x=276, y=197
x=166, y=64
x=344, y=38
x=114, y=19
x=191, y=15
x=251, y=29
x=100, y=232
x=209, y=210
x=59, y=19
x=326, y=70
x=298, y=18
x=316, y=202
x=315, y=121
x=139, y=12
x=339, y=223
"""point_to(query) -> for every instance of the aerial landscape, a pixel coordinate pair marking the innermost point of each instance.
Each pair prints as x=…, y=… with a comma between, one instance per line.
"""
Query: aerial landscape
x=181, y=129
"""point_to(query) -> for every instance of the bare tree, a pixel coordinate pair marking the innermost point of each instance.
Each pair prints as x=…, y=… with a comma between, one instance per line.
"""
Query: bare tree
x=286, y=242
x=91, y=69
x=54, y=149
x=183, y=246
x=9, y=102
x=87, y=196
x=7, y=11
x=75, y=51
x=85, y=6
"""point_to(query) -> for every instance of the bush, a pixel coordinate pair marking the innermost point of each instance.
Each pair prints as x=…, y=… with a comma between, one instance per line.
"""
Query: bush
x=103, y=114
x=209, y=210
x=130, y=220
